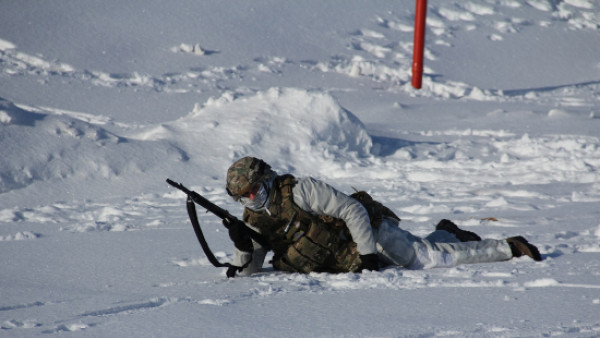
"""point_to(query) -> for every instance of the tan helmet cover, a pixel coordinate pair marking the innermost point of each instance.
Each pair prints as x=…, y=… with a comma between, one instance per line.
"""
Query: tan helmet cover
x=244, y=174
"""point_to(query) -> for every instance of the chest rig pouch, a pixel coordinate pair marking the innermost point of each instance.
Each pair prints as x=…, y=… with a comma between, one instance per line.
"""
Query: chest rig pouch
x=301, y=241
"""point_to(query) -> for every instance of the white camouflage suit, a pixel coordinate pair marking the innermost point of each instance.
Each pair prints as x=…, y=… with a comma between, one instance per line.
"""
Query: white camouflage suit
x=392, y=244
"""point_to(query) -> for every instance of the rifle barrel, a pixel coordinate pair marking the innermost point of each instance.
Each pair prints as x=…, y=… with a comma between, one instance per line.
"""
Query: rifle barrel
x=217, y=211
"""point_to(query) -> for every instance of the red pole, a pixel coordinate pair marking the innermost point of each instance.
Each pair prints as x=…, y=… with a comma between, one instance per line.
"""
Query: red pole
x=419, y=43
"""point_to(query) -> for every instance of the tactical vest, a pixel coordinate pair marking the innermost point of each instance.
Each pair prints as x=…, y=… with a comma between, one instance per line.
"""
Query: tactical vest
x=303, y=242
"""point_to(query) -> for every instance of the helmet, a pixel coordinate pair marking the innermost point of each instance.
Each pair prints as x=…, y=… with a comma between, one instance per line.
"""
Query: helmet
x=245, y=173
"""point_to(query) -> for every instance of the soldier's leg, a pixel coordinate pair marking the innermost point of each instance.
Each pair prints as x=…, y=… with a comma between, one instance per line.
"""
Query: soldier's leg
x=442, y=236
x=484, y=251
x=463, y=247
x=440, y=249
x=460, y=234
x=490, y=251
x=395, y=245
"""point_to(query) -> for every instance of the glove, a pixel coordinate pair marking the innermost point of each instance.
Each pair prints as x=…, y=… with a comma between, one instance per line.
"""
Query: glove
x=369, y=262
x=232, y=270
x=239, y=235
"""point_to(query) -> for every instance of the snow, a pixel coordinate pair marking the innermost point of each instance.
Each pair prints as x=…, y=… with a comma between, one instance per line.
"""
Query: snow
x=100, y=102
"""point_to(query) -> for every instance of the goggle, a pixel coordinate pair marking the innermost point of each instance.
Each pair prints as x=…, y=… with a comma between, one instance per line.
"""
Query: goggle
x=251, y=189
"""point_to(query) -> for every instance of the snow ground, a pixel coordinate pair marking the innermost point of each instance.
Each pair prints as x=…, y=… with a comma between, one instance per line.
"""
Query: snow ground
x=101, y=102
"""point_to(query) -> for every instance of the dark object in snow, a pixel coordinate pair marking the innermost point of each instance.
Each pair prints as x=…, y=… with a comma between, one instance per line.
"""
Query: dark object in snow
x=462, y=235
x=520, y=246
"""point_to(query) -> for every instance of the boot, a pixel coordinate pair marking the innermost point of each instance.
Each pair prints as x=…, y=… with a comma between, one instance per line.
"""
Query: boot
x=462, y=235
x=520, y=246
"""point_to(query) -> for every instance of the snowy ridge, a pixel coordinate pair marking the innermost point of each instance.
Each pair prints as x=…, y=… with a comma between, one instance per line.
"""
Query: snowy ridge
x=42, y=143
x=277, y=124
x=310, y=126
x=375, y=53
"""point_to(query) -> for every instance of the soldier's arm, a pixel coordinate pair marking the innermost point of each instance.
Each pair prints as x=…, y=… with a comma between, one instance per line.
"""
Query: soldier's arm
x=322, y=199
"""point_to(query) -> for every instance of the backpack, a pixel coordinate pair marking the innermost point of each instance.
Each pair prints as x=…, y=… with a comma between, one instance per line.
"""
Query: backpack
x=377, y=211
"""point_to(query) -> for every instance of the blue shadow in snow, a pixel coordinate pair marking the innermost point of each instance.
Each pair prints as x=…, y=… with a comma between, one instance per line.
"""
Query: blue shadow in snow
x=19, y=116
x=520, y=92
x=386, y=146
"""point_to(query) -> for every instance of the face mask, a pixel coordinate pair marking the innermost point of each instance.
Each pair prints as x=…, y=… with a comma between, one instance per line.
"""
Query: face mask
x=256, y=201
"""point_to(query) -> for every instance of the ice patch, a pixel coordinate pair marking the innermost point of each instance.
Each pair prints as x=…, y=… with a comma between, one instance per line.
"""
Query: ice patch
x=558, y=113
x=19, y=236
x=587, y=4
x=4, y=117
x=589, y=248
x=217, y=302
x=426, y=209
x=18, y=62
x=71, y=327
x=371, y=34
x=478, y=8
x=542, y=5
x=497, y=203
x=540, y=283
x=456, y=15
x=4, y=45
x=187, y=262
x=497, y=274
x=395, y=25
x=194, y=49
x=550, y=282
x=18, y=324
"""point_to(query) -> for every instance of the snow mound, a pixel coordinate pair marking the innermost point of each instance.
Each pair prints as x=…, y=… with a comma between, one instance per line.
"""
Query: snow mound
x=307, y=129
x=19, y=236
x=292, y=129
x=40, y=145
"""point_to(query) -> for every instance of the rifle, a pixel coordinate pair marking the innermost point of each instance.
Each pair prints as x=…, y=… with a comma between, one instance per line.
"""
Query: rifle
x=228, y=220
x=206, y=204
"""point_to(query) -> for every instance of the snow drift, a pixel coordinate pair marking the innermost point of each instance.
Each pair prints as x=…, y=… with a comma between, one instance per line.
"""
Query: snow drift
x=56, y=146
x=53, y=146
x=275, y=125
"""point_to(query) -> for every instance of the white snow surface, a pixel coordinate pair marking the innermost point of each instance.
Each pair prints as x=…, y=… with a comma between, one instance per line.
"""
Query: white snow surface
x=101, y=101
